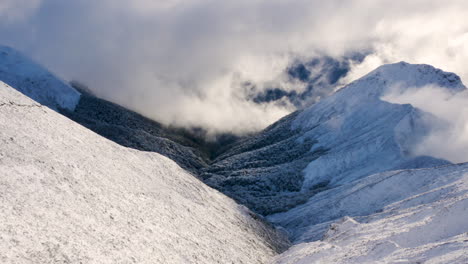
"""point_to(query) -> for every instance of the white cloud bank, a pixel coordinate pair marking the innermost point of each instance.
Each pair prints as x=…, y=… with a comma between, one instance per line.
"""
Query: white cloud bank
x=448, y=138
x=181, y=61
x=14, y=10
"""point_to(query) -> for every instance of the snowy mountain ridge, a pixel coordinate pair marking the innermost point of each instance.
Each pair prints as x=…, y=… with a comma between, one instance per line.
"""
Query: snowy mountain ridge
x=371, y=212
x=110, y=120
x=361, y=129
x=344, y=137
x=374, y=85
x=69, y=195
x=35, y=81
x=339, y=177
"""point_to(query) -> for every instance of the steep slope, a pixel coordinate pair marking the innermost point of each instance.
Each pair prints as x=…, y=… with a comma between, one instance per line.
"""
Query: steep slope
x=133, y=130
x=337, y=176
x=344, y=137
x=110, y=120
x=35, y=81
x=71, y=196
x=366, y=134
x=408, y=216
x=264, y=172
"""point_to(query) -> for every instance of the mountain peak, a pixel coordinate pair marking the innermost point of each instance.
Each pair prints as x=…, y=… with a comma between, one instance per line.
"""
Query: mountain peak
x=406, y=75
x=396, y=77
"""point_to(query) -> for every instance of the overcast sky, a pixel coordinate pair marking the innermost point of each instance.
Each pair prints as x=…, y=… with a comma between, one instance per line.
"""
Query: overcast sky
x=181, y=61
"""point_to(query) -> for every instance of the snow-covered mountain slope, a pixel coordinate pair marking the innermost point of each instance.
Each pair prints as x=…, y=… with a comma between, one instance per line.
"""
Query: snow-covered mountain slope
x=68, y=195
x=407, y=216
x=365, y=134
x=35, y=81
x=344, y=137
x=264, y=172
x=133, y=130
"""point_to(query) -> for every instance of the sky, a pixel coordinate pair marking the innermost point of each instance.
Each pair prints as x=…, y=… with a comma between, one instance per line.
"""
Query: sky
x=183, y=62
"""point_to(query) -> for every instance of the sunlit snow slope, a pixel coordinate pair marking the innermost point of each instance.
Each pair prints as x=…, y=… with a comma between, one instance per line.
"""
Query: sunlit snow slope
x=364, y=134
x=377, y=208
x=35, y=81
x=408, y=216
x=346, y=136
x=68, y=195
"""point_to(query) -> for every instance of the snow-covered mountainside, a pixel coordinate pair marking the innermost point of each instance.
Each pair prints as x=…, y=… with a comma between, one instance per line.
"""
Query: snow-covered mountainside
x=339, y=177
x=112, y=121
x=363, y=133
x=344, y=137
x=405, y=216
x=69, y=195
x=393, y=216
x=35, y=81
x=133, y=130
x=264, y=172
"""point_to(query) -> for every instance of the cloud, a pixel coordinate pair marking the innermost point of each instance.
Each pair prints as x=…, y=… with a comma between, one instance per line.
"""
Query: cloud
x=448, y=138
x=14, y=10
x=183, y=61
x=435, y=34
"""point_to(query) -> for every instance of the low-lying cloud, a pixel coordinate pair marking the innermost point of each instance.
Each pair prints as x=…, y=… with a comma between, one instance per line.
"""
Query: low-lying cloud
x=11, y=11
x=183, y=61
x=448, y=138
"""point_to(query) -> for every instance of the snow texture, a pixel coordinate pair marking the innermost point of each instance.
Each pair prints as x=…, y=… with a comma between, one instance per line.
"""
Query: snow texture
x=344, y=137
x=371, y=212
x=35, y=81
x=68, y=195
x=340, y=177
x=264, y=171
x=407, y=216
x=133, y=130
x=364, y=134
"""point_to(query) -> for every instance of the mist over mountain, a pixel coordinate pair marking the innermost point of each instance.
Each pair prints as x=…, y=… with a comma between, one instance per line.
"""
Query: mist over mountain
x=35, y=81
x=319, y=78
x=203, y=131
x=185, y=62
x=333, y=174
x=92, y=200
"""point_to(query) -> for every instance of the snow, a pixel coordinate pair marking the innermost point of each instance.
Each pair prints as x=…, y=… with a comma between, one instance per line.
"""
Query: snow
x=35, y=81
x=408, y=216
x=68, y=195
x=364, y=134
x=378, y=208
x=349, y=135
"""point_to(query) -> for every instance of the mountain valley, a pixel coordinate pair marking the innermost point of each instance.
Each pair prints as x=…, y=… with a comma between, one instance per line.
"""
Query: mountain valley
x=87, y=180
